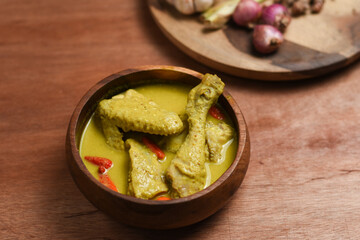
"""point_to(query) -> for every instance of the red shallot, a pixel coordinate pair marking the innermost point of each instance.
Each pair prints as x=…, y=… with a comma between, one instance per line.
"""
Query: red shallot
x=247, y=13
x=266, y=38
x=276, y=15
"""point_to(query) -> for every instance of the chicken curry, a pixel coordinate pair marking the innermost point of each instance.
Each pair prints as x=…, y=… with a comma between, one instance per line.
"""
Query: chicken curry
x=160, y=141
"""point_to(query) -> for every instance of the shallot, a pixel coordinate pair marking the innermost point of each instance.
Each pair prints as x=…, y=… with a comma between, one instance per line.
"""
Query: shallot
x=266, y=38
x=276, y=15
x=247, y=13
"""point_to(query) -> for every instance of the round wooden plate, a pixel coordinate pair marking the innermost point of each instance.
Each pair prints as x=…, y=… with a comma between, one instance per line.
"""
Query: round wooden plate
x=315, y=43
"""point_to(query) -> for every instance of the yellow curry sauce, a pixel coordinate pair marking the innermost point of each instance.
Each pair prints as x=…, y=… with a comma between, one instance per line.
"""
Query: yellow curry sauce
x=172, y=97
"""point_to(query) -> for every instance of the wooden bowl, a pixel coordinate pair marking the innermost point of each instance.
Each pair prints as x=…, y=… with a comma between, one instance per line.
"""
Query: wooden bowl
x=149, y=213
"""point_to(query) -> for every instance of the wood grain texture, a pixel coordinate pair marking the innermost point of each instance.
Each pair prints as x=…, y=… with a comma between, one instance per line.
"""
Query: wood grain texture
x=314, y=44
x=304, y=175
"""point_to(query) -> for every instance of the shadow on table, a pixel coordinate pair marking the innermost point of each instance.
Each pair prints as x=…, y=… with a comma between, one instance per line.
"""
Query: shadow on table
x=293, y=85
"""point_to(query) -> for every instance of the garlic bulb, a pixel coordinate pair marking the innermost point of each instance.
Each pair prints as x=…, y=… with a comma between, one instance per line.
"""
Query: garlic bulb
x=191, y=6
x=202, y=5
x=185, y=6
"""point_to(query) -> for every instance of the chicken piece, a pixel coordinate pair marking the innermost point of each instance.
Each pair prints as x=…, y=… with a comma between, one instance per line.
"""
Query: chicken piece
x=112, y=134
x=186, y=173
x=173, y=142
x=145, y=175
x=217, y=135
x=132, y=111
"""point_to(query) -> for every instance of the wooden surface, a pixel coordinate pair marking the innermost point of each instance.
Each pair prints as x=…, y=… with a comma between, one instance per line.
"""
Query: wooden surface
x=314, y=44
x=303, y=180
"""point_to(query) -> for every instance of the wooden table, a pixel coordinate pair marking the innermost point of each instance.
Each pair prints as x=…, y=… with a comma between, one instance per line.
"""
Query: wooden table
x=303, y=180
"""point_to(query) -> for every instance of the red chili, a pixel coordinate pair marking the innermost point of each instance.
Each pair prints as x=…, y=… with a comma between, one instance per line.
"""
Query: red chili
x=102, y=169
x=105, y=179
x=153, y=147
x=100, y=161
x=216, y=113
x=163, y=198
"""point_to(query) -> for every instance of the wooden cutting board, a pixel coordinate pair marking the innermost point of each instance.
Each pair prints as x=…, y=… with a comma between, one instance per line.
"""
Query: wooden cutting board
x=315, y=44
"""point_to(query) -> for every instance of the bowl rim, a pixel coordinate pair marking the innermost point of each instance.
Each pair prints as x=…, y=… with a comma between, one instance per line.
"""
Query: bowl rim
x=74, y=123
